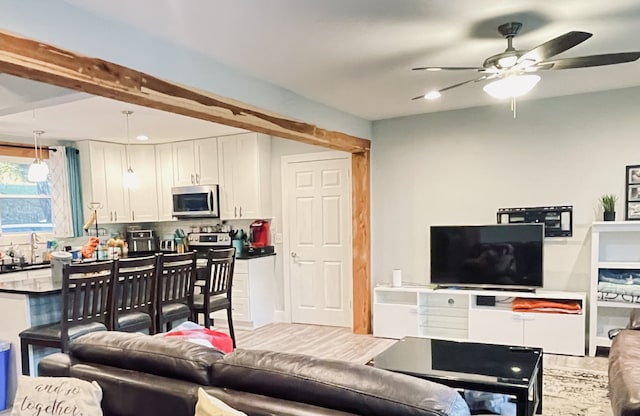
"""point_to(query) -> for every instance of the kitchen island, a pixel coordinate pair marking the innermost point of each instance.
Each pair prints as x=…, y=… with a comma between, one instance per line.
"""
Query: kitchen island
x=27, y=298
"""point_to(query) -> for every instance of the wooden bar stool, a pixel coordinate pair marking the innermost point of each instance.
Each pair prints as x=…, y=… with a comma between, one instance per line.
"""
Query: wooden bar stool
x=176, y=277
x=216, y=292
x=134, y=297
x=86, y=291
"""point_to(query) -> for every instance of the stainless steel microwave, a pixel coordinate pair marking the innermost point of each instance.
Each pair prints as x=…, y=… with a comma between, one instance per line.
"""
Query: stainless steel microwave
x=196, y=201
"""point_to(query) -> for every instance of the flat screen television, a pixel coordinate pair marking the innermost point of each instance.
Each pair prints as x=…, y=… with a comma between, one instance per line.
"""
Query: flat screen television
x=493, y=256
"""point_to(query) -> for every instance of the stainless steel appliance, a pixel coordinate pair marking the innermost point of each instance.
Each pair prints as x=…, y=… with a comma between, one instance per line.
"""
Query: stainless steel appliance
x=196, y=201
x=168, y=244
x=141, y=240
x=201, y=243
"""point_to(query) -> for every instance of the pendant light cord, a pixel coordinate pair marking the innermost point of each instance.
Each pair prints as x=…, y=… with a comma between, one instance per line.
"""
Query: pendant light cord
x=127, y=114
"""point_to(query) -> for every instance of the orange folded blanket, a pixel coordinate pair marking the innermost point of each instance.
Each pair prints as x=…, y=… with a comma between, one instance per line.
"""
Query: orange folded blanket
x=545, y=305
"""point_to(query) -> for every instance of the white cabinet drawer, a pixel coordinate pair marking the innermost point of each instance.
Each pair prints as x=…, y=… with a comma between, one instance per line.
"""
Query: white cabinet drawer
x=445, y=300
x=395, y=321
x=239, y=311
x=240, y=286
x=241, y=266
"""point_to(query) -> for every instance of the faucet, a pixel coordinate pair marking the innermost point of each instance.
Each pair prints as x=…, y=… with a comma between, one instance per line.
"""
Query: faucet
x=34, y=239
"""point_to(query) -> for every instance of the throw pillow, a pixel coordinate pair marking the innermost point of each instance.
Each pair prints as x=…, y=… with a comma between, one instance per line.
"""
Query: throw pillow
x=38, y=396
x=210, y=406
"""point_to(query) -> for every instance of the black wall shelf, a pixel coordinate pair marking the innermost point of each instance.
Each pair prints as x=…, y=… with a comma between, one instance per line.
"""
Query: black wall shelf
x=557, y=220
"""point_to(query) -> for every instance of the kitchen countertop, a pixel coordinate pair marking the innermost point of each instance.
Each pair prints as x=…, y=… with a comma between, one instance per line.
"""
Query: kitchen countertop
x=19, y=282
x=245, y=257
x=28, y=286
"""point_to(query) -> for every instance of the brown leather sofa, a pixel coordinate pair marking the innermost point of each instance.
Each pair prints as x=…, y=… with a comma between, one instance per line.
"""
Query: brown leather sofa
x=624, y=369
x=145, y=375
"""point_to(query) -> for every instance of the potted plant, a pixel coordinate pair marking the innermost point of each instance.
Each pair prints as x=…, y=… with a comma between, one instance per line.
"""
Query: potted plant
x=608, y=202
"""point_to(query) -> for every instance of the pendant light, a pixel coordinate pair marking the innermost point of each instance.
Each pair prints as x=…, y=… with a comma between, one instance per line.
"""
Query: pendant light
x=130, y=177
x=38, y=170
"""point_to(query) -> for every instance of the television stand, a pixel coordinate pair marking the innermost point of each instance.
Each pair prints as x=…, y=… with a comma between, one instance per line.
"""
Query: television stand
x=456, y=314
x=492, y=288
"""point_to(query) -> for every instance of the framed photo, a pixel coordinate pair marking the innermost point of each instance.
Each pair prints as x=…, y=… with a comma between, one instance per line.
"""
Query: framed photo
x=633, y=210
x=634, y=193
x=633, y=174
x=632, y=197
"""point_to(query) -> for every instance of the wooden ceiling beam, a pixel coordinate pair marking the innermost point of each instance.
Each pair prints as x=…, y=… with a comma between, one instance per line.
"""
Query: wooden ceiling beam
x=38, y=61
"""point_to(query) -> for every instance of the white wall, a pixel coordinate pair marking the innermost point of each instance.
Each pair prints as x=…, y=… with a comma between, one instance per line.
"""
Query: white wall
x=459, y=167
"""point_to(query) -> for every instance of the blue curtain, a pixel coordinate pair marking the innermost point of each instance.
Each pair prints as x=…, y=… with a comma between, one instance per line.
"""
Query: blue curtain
x=75, y=190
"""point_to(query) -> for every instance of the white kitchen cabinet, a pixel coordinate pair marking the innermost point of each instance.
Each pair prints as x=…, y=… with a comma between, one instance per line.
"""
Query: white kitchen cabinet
x=102, y=169
x=164, y=180
x=455, y=314
x=615, y=285
x=143, y=199
x=253, y=291
x=245, y=176
x=195, y=162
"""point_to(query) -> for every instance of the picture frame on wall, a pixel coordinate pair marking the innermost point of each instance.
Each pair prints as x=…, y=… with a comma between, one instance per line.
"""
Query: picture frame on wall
x=632, y=195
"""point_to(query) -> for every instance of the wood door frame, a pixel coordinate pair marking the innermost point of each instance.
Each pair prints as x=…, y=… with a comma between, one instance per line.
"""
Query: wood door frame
x=286, y=248
x=39, y=61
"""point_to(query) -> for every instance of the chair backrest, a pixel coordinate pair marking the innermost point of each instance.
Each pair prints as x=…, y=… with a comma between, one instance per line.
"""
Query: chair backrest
x=176, y=277
x=86, y=291
x=220, y=263
x=135, y=287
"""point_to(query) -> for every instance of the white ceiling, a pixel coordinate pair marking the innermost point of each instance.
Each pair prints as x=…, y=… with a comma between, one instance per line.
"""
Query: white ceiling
x=65, y=115
x=356, y=55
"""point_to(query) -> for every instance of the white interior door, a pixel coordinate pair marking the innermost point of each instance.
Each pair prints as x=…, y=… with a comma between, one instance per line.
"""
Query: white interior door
x=318, y=219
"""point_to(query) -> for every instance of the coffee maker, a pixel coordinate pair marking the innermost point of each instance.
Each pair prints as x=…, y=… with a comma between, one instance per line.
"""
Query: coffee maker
x=141, y=241
x=259, y=233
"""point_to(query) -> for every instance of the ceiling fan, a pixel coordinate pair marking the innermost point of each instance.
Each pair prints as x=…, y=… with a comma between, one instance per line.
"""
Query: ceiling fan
x=514, y=70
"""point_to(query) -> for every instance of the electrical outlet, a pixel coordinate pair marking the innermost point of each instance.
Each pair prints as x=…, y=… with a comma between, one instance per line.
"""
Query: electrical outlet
x=279, y=238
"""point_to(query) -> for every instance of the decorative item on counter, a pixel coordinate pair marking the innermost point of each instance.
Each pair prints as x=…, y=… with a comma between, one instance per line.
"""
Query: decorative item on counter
x=89, y=248
x=608, y=202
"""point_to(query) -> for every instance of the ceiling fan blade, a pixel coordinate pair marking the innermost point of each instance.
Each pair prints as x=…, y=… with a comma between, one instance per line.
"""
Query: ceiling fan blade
x=456, y=85
x=591, y=60
x=555, y=46
x=448, y=68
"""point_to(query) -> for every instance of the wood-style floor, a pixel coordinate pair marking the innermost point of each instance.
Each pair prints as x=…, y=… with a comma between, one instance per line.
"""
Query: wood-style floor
x=319, y=341
x=342, y=344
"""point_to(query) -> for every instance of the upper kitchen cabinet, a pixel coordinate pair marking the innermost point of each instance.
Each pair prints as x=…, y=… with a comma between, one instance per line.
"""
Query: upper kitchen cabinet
x=164, y=177
x=195, y=162
x=102, y=169
x=143, y=199
x=245, y=176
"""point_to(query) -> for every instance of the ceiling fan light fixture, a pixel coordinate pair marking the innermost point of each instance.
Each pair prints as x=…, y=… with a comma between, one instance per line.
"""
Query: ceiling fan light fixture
x=507, y=61
x=511, y=86
x=432, y=95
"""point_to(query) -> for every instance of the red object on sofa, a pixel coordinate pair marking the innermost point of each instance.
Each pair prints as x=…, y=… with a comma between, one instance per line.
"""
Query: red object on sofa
x=217, y=339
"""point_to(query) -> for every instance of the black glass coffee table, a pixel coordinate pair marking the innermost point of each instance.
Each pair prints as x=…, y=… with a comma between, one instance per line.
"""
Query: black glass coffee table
x=510, y=370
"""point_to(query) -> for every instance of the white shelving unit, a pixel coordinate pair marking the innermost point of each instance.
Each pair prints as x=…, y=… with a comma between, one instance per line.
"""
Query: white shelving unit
x=455, y=314
x=615, y=245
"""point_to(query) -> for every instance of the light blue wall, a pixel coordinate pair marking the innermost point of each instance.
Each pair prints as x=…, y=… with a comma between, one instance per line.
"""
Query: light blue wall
x=60, y=24
x=459, y=167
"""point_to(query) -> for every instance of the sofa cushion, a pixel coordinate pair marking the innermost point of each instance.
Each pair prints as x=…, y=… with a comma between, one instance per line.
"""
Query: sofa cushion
x=335, y=384
x=210, y=406
x=57, y=396
x=174, y=358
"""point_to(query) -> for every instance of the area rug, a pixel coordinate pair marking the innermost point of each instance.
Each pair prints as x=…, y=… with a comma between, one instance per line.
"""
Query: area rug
x=575, y=392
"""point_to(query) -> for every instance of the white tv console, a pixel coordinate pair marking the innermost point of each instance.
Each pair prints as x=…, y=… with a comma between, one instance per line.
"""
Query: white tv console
x=455, y=314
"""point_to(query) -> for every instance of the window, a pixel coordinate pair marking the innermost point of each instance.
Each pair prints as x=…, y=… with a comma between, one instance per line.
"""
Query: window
x=24, y=206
